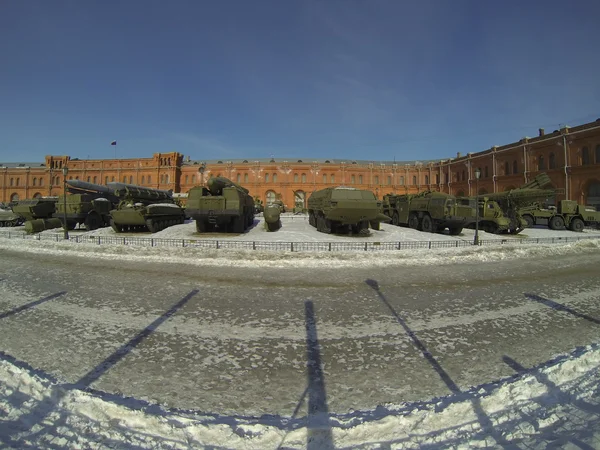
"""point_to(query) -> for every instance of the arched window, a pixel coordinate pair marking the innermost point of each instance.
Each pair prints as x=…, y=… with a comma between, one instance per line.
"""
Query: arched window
x=506, y=168
x=464, y=175
x=401, y=180
x=485, y=172
x=303, y=178
x=353, y=179
x=360, y=179
x=131, y=179
x=18, y=180
x=585, y=156
x=112, y=179
x=437, y=178
x=95, y=180
x=239, y=178
x=124, y=179
x=77, y=178
x=427, y=180
x=389, y=180
x=169, y=161
x=332, y=178
x=34, y=181
x=274, y=178
x=266, y=177
x=597, y=155
x=14, y=197
x=541, y=163
x=376, y=179
x=245, y=178
x=295, y=178
x=193, y=179
x=515, y=167
x=551, y=161
x=325, y=178
x=37, y=195
x=187, y=179
x=414, y=180
x=41, y=181
x=149, y=179
x=88, y=180
x=106, y=180
x=162, y=179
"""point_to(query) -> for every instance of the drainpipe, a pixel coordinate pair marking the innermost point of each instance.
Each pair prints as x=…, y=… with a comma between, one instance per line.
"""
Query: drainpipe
x=567, y=197
x=494, y=170
x=525, y=162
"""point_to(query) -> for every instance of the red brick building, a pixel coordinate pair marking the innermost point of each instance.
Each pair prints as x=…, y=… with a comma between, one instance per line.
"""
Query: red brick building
x=570, y=156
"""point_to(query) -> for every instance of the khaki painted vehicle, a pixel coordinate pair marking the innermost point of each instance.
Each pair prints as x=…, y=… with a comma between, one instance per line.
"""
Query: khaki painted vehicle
x=222, y=206
x=429, y=211
x=35, y=208
x=493, y=219
x=144, y=209
x=343, y=209
x=513, y=202
x=272, y=216
x=566, y=214
x=9, y=219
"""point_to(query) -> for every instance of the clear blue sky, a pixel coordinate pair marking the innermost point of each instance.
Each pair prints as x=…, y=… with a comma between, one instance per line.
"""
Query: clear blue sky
x=308, y=79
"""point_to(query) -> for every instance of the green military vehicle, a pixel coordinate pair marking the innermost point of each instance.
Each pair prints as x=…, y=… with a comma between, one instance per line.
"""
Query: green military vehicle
x=429, y=211
x=494, y=219
x=272, y=216
x=343, y=209
x=9, y=219
x=37, y=214
x=220, y=206
x=567, y=214
x=144, y=209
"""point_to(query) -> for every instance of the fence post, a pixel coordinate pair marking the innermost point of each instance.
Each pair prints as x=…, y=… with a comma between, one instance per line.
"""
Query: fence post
x=292, y=246
x=217, y=244
x=183, y=243
x=457, y=243
x=399, y=246
x=253, y=245
x=330, y=246
x=429, y=245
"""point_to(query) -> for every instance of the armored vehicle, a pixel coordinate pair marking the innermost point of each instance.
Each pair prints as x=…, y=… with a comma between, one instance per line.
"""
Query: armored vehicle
x=36, y=208
x=567, y=214
x=9, y=219
x=493, y=219
x=142, y=209
x=221, y=206
x=342, y=209
x=272, y=216
x=431, y=212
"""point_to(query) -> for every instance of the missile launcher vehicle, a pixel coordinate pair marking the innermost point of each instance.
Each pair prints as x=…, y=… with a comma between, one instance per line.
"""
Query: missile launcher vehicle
x=343, y=209
x=272, y=216
x=143, y=209
x=35, y=208
x=429, y=211
x=567, y=214
x=222, y=205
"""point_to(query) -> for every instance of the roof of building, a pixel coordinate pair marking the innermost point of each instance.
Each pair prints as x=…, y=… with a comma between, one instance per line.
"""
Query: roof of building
x=21, y=165
x=360, y=162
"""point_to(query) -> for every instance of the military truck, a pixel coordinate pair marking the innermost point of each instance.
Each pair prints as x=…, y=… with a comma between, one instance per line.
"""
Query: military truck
x=272, y=216
x=493, y=219
x=429, y=211
x=9, y=219
x=566, y=214
x=87, y=204
x=142, y=209
x=222, y=205
x=35, y=208
x=344, y=209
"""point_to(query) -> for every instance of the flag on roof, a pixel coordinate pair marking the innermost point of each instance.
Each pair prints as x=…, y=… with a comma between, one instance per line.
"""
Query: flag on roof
x=113, y=143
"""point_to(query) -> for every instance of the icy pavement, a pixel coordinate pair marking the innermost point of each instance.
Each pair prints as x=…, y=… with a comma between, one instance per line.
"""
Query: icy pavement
x=529, y=411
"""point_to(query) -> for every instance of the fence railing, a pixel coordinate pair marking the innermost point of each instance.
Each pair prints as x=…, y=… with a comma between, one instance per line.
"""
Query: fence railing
x=319, y=246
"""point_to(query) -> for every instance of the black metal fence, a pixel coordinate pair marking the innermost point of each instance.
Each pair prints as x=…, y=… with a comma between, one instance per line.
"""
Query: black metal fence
x=286, y=246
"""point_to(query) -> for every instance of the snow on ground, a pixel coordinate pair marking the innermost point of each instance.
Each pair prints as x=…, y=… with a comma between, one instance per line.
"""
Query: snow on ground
x=529, y=410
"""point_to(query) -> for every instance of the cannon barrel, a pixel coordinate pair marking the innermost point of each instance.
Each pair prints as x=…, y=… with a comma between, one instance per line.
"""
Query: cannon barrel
x=217, y=184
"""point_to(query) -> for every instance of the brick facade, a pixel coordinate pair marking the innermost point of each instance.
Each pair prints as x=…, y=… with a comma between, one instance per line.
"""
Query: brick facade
x=570, y=156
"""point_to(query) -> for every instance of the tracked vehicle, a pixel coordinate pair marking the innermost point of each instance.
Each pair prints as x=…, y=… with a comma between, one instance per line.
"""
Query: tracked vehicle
x=144, y=209
x=9, y=219
x=343, y=209
x=37, y=214
x=222, y=206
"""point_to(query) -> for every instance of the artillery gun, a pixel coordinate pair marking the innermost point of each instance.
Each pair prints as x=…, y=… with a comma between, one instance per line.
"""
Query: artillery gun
x=141, y=209
x=222, y=205
x=88, y=204
x=334, y=210
x=429, y=211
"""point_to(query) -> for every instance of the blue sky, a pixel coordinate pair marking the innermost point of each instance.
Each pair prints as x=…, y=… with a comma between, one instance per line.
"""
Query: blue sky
x=373, y=80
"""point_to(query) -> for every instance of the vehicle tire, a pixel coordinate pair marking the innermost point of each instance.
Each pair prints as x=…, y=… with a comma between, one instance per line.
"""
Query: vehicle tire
x=92, y=222
x=311, y=219
x=395, y=219
x=237, y=225
x=556, y=223
x=327, y=226
x=152, y=225
x=413, y=221
x=455, y=231
x=427, y=224
x=576, y=224
x=529, y=220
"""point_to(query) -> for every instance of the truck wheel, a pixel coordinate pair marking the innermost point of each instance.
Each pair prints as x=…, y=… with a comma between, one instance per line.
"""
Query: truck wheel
x=576, y=224
x=152, y=226
x=395, y=219
x=327, y=226
x=529, y=220
x=556, y=223
x=92, y=222
x=413, y=221
x=455, y=231
x=427, y=224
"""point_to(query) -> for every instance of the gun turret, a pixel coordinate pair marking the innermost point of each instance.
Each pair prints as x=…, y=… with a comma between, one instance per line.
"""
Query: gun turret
x=217, y=184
